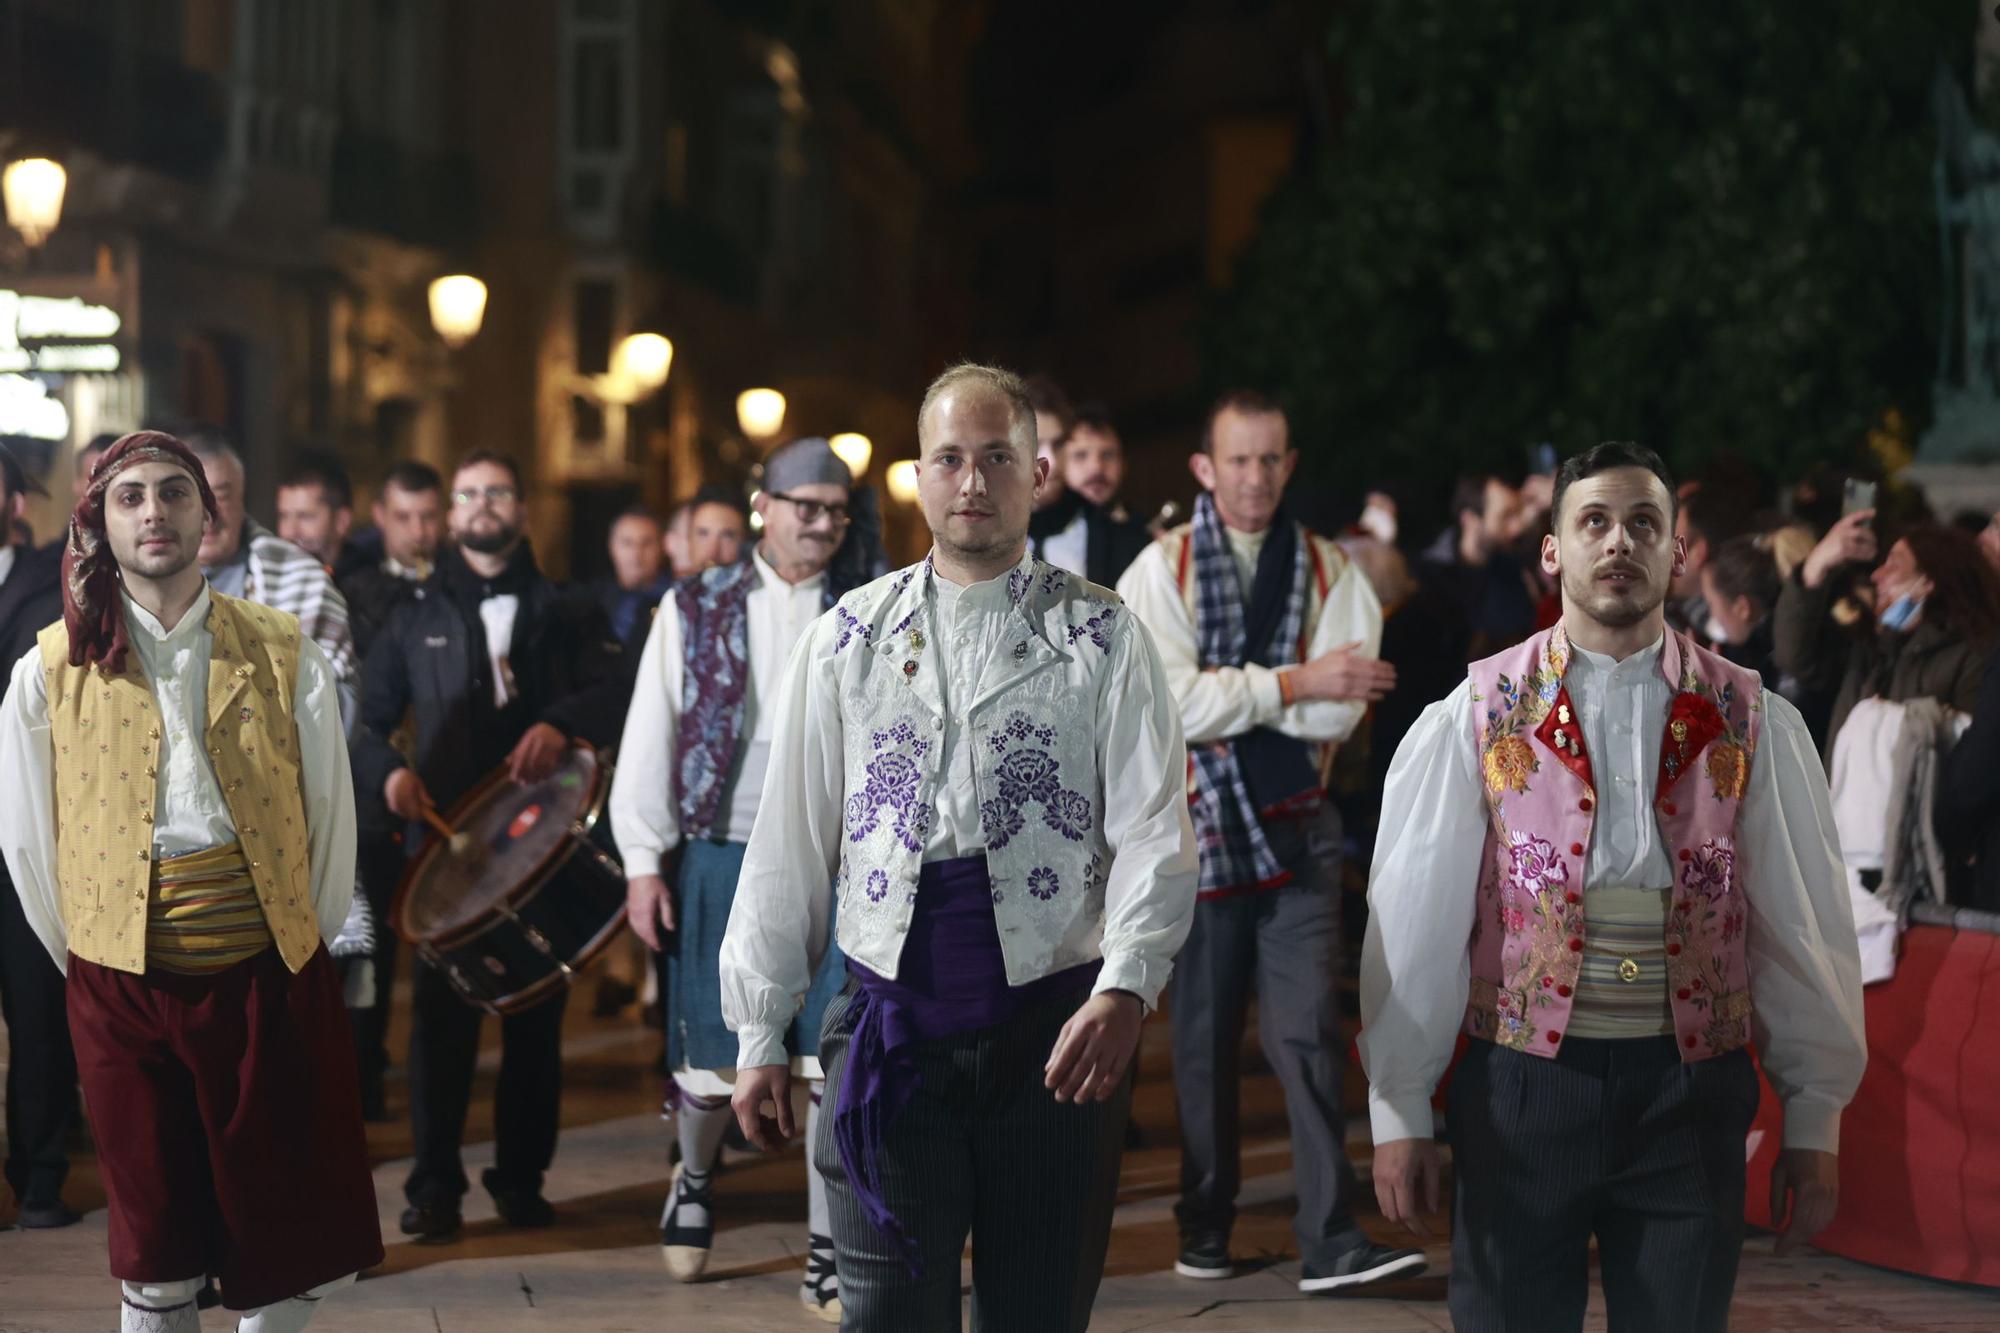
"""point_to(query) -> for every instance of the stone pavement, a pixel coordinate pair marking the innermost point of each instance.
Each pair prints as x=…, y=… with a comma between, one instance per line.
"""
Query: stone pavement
x=599, y=1268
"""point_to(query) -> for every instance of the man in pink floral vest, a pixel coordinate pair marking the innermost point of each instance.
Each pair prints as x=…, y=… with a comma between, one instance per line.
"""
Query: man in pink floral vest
x=1608, y=859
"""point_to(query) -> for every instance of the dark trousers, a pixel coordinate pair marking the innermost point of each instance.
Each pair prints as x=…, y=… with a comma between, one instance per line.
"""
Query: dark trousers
x=1284, y=945
x=381, y=865
x=527, y=1102
x=228, y=1125
x=982, y=1148
x=41, y=1067
x=1616, y=1139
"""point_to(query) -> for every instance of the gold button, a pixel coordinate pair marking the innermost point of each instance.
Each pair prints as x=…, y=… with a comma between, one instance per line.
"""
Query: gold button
x=1628, y=970
x=146, y=816
x=144, y=855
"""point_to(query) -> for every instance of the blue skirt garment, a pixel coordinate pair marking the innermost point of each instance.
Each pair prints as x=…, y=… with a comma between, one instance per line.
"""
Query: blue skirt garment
x=704, y=890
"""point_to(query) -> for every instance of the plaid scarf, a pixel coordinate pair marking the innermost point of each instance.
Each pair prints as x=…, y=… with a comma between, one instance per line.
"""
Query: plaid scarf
x=1235, y=854
x=92, y=611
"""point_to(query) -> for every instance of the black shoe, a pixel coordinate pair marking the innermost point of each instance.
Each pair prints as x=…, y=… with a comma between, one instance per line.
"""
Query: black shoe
x=1205, y=1254
x=40, y=1216
x=519, y=1207
x=432, y=1223
x=1360, y=1266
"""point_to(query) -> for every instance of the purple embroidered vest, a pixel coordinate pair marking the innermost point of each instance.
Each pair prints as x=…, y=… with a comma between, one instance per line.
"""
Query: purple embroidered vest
x=714, y=608
x=1527, y=937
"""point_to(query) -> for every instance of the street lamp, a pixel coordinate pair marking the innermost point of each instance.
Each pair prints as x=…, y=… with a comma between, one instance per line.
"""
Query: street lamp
x=458, y=308
x=34, y=189
x=853, y=449
x=642, y=361
x=901, y=479
x=760, y=412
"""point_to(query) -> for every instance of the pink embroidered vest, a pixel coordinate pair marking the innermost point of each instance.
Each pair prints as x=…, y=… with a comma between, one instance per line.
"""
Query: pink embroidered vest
x=1527, y=938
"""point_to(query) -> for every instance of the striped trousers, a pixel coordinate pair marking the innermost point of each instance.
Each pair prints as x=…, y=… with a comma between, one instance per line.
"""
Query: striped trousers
x=982, y=1148
x=1613, y=1138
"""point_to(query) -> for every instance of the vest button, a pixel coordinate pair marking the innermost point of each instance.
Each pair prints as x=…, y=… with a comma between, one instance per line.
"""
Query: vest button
x=1563, y=991
x=1674, y=950
x=1555, y=1037
x=1585, y=804
x=1667, y=808
x=1688, y=1041
x=1575, y=945
x=144, y=855
x=1683, y=993
x=1576, y=849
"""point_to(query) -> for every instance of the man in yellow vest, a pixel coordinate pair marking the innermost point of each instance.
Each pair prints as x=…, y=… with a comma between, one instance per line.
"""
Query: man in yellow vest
x=180, y=830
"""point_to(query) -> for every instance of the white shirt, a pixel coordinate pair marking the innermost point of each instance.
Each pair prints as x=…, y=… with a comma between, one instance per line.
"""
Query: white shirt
x=1229, y=701
x=965, y=624
x=1805, y=980
x=779, y=924
x=1070, y=548
x=645, y=793
x=6, y=562
x=497, y=614
x=189, y=812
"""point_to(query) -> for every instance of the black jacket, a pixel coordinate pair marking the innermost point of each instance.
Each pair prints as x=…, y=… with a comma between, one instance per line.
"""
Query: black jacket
x=30, y=600
x=372, y=594
x=1968, y=813
x=430, y=659
x=1113, y=539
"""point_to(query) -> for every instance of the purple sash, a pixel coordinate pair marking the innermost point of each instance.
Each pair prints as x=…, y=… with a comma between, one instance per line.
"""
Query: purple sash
x=951, y=979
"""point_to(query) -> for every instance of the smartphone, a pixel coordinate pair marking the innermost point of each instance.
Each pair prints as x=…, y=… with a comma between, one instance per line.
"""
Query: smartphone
x=1857, y=495
x=1542, y=459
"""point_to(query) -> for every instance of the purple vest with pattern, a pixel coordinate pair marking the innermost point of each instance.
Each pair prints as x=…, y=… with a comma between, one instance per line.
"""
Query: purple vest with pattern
x=715, y=686
x=1527, y=937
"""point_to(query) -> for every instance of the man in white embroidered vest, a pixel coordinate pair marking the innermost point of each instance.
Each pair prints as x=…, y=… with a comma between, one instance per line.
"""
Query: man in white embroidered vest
x=1608, y=858
x=943, y=758
x=1269, y=635
x=690, y=773
x=180, y=828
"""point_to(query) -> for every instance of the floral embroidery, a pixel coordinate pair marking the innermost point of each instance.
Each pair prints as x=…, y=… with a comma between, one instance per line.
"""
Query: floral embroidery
x=1728, y=769
x=1000, y=822
x=1030, y=775
x=1510, y=762
x=1017, y=583
x=878, y=885
x=1533, y=866
x=891, y=781
x=1043, y=883
x=850, y=629
x=1098, y=628
x=1052, y=581
x=1710, y=870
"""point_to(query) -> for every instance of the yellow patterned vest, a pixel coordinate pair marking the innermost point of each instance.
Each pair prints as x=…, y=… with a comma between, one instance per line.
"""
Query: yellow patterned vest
x=106, y=731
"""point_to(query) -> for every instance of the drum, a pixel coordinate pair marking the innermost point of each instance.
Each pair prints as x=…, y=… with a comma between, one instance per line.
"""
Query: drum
x=525, y=893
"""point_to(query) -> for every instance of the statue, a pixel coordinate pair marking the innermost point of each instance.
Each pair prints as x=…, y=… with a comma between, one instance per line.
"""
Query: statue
x=1966, y=177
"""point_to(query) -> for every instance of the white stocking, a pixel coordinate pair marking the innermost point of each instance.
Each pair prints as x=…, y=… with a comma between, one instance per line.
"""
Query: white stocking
x=160, y=1307
x=289, y=1316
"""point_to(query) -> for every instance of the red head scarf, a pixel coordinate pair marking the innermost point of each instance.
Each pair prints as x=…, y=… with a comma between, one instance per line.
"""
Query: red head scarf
x=91, y=609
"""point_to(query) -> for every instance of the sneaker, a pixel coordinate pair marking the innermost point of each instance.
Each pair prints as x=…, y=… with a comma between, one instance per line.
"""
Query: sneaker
x=432, y=1224
x=1205, y=1255
x=820, y=1292
x=1360, y=1266
x=687, y=1227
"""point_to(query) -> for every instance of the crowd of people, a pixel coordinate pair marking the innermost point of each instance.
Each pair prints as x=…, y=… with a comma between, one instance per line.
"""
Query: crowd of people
x=1587, y=747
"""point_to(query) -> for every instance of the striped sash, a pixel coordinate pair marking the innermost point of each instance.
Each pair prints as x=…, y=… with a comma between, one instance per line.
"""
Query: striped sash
x=1622, y=989
x=204, y=915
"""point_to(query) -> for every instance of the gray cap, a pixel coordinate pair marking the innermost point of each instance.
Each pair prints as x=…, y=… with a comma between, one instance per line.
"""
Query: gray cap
x=807, y=462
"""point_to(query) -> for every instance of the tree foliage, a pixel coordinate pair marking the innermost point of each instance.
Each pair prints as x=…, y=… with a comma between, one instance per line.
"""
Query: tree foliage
x=1708, y=227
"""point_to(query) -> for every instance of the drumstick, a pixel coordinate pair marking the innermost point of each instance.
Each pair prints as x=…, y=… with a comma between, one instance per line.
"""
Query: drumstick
x=457, y=840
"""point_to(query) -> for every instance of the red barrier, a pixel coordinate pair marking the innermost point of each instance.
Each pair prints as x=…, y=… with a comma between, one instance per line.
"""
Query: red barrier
x=1920, y=1143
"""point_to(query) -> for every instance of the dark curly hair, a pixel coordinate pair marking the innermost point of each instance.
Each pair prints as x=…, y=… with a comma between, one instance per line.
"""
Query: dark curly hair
x=1965, y=589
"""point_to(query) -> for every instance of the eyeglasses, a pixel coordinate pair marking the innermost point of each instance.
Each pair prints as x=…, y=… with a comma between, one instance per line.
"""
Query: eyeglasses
x=810, y=510
x=493, y=495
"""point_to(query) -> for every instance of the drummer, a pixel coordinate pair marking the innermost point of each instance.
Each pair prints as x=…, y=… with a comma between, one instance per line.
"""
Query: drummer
x=500, y=668
x=696, y=787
